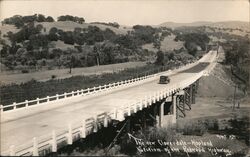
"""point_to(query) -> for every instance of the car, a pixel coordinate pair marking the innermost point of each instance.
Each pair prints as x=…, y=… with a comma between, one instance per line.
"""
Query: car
x=164, y=80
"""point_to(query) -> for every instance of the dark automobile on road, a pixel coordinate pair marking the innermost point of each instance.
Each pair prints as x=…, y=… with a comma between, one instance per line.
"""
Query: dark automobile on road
x=164, y=80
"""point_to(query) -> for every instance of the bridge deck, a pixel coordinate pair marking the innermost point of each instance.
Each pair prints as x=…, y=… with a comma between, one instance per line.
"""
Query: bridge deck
x=19, y=126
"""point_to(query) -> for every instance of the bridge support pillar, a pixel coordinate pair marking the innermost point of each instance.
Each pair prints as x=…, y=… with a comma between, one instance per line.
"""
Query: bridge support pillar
x=174, y=109
x=193, y=91
x=167, y=112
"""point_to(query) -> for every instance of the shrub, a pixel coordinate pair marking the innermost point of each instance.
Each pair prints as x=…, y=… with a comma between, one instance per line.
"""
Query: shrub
x=53, y=76
x=25, y=71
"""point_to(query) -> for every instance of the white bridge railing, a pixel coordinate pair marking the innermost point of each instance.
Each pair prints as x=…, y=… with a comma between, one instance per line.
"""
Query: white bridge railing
x=58, y=138
x=89, y=91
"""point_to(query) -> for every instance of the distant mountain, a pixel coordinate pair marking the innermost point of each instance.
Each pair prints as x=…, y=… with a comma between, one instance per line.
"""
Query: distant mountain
x=223, y=24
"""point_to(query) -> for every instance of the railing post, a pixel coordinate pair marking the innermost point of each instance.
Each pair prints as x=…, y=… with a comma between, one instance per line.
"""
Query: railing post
x=145, y=101
x=12, y=150
x=158, y=96
x=65, y=95
x=94, y=89
x=1, y=109
x=88, y=91
x=72, y=93
x=115, y=113
x=83, y=130
x=129, y=109
x=26, y=103
x=81, y=91
x=154, y=99
x=120, y=115
x=141, y=104
x=105, y=121
x=135, y=107
x=78, y=92
x=57, y=97
x=54, y=142
x=14, y=107
x=35, y=147
x=37, y=101
x=95, y=125
x=150, y=100
x=70, y=138
x=47, y=98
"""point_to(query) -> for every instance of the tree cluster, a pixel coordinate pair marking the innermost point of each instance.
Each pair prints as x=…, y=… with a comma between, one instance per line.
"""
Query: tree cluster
x=192, y=40
x=19, y=21
x=71, y=18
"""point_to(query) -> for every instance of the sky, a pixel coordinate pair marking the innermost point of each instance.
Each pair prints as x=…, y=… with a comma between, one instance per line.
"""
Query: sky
x=132, y=12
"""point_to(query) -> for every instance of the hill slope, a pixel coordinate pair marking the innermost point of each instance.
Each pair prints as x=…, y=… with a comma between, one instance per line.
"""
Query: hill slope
x=223, y=24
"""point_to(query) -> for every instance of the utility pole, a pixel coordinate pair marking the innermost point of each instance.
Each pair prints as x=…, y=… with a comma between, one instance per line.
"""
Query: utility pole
x=234, y=96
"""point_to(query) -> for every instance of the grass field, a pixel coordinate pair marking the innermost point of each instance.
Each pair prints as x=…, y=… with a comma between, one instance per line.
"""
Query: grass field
x=168, y=44
x=64, y=73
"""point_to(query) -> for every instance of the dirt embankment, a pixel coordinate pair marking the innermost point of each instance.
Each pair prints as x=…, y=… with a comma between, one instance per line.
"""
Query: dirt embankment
x=219, y=84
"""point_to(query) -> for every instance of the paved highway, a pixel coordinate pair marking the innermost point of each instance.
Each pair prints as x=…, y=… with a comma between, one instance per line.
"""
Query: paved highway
x=20, y=126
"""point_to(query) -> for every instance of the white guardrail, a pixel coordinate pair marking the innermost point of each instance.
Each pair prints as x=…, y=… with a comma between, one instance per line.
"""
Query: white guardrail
x=85, y=92
x=58, y=138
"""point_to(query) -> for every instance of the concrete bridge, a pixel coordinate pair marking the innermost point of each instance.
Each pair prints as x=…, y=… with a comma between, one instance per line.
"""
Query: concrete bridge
x=30, y=127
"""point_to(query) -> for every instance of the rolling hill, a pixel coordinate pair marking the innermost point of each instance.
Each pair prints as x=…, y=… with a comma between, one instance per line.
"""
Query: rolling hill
x=223, y=24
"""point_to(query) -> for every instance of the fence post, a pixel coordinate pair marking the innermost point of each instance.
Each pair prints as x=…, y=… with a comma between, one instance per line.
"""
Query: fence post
x=81, y=91
x=14, y=103
x=54, y=142
x=65, y=95
x=12, y=150
x=37, y=101
x=47, y=98
x=78, y=92
x=72, y=93
x=57, y=97
x=83, y=131
x=70, y=138
x=94, y=89
x=35, y=147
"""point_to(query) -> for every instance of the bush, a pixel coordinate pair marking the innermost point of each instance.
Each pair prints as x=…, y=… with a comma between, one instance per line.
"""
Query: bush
x=25, y=71
x=197, y=128
x=53, y=76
